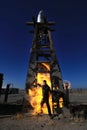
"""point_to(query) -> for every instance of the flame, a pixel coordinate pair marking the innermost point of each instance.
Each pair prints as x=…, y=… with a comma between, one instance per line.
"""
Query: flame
x=35, y=93
x=61, y=102
x=35, y=100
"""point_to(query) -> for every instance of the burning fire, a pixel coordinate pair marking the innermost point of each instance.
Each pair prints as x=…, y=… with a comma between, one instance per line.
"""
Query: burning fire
x=35, y=93
x=35, y=100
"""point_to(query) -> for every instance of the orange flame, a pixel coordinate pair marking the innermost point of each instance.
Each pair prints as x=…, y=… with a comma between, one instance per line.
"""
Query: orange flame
x=36, y=92
x=35, y=100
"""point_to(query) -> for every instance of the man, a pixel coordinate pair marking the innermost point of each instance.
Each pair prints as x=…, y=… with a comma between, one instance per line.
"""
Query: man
x=45, y=94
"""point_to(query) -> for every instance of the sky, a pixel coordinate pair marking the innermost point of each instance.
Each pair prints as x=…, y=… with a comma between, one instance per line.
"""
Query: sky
x=69, y=38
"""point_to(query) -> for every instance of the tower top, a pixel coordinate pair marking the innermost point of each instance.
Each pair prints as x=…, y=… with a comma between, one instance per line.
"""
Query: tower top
x=41, y=17
x=41, y=20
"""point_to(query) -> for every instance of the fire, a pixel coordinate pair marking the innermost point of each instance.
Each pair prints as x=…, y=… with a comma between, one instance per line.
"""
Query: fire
x=35, y=93
x=35, y=100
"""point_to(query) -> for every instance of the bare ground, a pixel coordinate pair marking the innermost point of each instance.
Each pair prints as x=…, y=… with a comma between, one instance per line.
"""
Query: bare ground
x=42, y=122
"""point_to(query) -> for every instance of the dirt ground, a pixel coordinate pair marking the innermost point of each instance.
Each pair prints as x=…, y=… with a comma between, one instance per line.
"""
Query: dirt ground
x=42, y=122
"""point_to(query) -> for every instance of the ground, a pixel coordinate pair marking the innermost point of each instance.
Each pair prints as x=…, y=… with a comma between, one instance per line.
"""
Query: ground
x=42, y=122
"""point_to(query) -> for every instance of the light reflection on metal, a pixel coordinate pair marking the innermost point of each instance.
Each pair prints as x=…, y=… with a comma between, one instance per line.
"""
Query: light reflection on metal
x=40, y=17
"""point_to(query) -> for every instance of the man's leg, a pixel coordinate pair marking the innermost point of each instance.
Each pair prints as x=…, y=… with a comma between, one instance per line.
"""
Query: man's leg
x=48, y=107
x=42, y=102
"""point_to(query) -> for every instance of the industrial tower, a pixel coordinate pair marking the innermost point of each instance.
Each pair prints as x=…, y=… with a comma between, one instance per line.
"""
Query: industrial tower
x=42, y=53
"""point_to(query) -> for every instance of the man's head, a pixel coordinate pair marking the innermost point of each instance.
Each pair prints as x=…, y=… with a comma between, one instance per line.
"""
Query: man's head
x=44, y=82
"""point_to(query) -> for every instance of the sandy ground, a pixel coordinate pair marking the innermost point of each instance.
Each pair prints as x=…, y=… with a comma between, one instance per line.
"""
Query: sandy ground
x=42, y=122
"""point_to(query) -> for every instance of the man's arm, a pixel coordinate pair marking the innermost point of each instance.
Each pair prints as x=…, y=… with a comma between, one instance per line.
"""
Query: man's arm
x=50, y=90
x=39, y=85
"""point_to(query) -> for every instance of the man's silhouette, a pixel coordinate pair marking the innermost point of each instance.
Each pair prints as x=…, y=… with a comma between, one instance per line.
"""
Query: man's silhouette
x=45, y=93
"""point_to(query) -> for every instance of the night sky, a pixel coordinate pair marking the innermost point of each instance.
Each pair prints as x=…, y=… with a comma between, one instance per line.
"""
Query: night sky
x=69, y=38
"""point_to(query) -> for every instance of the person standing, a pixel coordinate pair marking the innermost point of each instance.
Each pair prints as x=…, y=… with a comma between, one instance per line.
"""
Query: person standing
x=45, y=93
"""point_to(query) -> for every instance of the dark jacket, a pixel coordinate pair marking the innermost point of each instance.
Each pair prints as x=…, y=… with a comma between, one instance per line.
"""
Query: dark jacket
x=45, y=91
